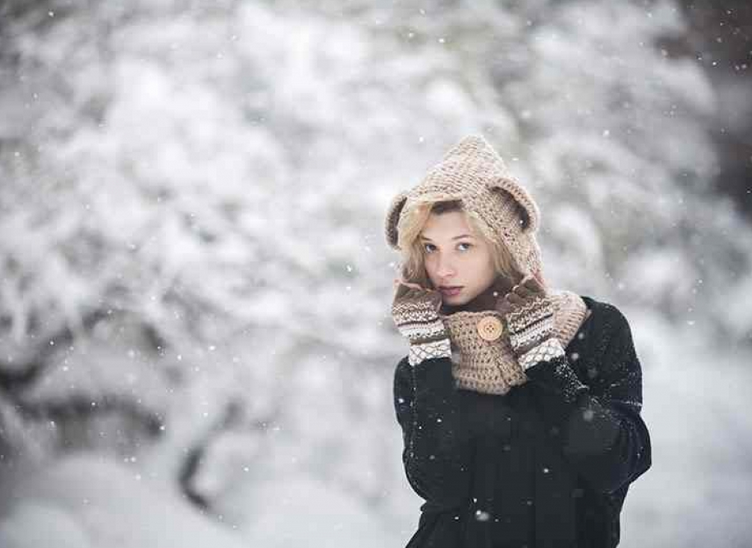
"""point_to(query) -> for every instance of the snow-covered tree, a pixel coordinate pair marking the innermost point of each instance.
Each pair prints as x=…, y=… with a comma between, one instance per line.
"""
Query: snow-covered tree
x=192, y=196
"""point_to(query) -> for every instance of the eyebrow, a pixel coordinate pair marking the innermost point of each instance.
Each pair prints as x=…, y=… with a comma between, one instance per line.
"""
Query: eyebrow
x=455, y=238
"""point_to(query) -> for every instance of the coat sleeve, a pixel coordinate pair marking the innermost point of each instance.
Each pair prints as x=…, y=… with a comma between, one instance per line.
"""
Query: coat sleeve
x=436, y=453
x=598, y=424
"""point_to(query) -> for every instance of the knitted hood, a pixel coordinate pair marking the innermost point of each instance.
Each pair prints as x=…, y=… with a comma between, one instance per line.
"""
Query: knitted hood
x=474, y=173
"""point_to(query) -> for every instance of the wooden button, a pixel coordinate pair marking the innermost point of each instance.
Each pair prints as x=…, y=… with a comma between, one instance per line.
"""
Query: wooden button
x=490, y=328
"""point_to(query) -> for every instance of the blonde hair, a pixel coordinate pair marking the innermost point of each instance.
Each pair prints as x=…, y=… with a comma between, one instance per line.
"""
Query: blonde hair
x=413, y=253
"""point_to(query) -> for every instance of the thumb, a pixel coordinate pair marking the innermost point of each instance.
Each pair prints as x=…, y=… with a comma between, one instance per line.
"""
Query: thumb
x=404, y=289
x=538, y=275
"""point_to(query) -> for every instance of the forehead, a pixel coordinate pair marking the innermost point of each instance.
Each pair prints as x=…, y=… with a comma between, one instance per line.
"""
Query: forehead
x=446, y=225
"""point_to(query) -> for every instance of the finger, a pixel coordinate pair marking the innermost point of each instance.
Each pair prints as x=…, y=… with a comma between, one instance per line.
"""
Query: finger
x=400, y=291
x=436, y=300
x=397, y=284
x=525, y=279
x=411, y=284
x=534, y=285
x=412, y=291
x=502, y=285
x=503, y=306
x=514, y=299
x=522, y=291
x=401, y=288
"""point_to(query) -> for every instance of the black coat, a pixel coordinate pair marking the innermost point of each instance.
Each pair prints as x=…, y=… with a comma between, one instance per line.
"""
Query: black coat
x=546, y=465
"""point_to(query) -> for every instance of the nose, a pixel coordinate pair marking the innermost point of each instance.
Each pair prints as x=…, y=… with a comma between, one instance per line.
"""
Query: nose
x=445, y=268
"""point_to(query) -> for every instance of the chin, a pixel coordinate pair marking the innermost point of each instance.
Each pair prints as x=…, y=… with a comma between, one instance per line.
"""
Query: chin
x=457, y=300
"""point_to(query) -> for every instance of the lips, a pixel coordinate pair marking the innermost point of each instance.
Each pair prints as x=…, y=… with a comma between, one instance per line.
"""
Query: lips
x=450, y=290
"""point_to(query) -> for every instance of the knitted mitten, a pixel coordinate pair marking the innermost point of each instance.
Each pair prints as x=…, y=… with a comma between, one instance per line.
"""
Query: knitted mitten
x=529, y=315
x=416, y=314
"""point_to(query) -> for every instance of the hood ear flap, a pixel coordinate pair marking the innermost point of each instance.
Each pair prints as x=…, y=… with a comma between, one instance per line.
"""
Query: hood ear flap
x=528, y=209
x=392, y=218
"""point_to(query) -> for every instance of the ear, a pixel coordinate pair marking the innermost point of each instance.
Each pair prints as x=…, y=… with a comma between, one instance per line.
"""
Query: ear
x=527, y=207
x=392, y=218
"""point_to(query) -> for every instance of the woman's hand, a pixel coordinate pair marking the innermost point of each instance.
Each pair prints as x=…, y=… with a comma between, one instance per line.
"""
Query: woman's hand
x=527, y=291
x=415, y=311
x=529, y=314
x=399, y=281
x=413, y=303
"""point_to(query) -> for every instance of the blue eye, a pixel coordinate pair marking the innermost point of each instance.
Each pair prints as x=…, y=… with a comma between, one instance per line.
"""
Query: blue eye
x=462, y=246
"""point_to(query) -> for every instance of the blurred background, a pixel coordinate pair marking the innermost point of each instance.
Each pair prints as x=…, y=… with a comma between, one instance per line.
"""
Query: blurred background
x=195, y=341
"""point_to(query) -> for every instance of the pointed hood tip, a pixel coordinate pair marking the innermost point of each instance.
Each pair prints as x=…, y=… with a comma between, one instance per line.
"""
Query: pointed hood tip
x=472, y=139
x=470, y=143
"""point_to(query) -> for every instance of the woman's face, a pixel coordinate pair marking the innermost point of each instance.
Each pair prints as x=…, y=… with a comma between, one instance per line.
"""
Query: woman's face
x=458, y=263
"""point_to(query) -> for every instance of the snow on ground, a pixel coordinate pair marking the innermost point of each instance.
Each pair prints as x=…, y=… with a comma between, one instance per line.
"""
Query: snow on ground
x=88, y=501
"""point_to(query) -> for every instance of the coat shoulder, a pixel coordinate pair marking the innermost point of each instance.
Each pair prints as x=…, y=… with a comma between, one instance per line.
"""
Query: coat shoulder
x=605, y=330
x=605, y=314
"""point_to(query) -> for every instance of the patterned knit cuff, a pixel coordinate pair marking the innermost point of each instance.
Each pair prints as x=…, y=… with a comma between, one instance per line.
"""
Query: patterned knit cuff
x=433, y=349
x=547, y=350
x=530, y=337
x=420, y=332
x=530, y=314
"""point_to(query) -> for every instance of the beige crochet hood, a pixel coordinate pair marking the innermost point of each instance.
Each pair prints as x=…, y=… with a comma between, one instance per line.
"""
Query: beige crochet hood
x=473, y=172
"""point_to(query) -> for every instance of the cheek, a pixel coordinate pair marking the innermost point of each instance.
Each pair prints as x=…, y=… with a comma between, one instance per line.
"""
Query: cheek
x=484, y=267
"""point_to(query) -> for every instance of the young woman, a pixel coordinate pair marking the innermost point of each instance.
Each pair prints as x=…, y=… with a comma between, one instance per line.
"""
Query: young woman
x=519, y=404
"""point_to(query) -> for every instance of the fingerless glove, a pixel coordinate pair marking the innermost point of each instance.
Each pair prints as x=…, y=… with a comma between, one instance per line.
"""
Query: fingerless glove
x=416, y=314
x=531, y=332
